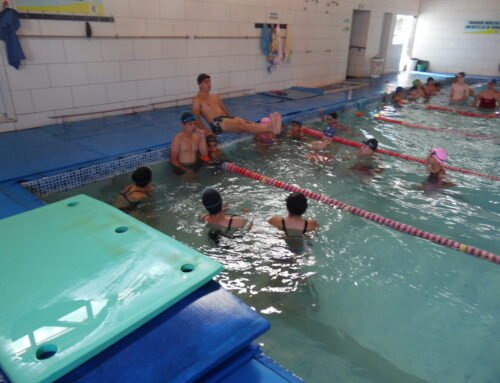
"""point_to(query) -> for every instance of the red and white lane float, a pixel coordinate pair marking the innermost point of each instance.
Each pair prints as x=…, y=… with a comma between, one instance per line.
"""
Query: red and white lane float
x=343, y=141
x=412, y=125
x=461, y=112
x=471, y=250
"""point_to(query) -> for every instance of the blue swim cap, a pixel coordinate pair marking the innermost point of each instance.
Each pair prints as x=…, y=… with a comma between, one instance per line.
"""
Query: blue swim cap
x=329, y=131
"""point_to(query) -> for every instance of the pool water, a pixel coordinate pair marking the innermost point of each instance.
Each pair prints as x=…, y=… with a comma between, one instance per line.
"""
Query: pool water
x=362, y=302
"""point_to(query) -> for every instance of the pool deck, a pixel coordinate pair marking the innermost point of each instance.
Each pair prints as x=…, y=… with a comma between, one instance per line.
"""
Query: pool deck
x=33, y=153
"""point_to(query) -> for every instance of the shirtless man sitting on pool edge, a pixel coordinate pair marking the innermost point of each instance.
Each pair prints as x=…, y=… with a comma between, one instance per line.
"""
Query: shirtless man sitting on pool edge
x=210, y=107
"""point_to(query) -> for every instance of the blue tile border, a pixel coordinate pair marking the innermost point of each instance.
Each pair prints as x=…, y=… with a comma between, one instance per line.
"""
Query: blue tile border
x=47, y=185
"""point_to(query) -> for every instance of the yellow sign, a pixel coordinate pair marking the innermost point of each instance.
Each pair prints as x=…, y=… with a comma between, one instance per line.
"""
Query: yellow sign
x=82, y=7
x=482, y=27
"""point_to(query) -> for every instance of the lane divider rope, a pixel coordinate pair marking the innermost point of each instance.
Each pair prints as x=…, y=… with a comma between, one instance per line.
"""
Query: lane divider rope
x=461, y=112
x=343, y=141
x=433, y=129
x=471, y=250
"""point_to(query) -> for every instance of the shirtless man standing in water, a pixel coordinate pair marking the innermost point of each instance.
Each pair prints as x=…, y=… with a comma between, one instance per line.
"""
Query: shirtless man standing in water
x=188, y=146
x=210, y=107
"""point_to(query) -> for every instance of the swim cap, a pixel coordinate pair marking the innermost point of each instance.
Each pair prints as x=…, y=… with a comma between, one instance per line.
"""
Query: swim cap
x=416, y=82
x=211, y=138
x=296, y=203
x=265, y=121
x=212, y=200
x=333, y=115
x=202, y=77
x=187, y=117
x=296, y=122
x=372, y=143
x=142, y=176
x=399, y=89
x=328, y=131
x=439, y=154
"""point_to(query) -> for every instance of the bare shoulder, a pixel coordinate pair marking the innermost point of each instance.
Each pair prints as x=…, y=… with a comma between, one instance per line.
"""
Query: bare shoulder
x=312, y=224
x=275, y=221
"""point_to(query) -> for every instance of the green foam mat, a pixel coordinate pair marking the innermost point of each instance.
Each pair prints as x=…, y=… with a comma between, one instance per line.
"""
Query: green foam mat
x=78, y=275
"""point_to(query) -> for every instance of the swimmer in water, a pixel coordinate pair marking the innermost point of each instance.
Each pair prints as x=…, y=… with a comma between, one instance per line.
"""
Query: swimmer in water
x=266, y=137
x=219, y=223
x=296, y=130
x=488, y=99
x=139, y=191
x=294, y=225
x=435, y=165
x=367, y=160
x=332, y=121
x=398, y=97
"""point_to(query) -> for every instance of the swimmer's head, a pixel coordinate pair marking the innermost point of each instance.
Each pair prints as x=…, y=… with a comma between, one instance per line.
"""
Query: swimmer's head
x=296, y=203
x=329, y=132
x=333, y=115
x=372, y=143
x=204, y=82
x=399, y=89
x=212, y=201
x=413, y=88
x=437, y=85
x=430, y=80
x=439, y=154
x=492, y=83
x=187, y=117
x=416, y=83
x=142, y=176
x=266, y=121
x=296, y=123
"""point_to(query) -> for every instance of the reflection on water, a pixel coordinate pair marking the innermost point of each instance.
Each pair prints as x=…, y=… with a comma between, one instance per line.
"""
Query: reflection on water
x=360, y=302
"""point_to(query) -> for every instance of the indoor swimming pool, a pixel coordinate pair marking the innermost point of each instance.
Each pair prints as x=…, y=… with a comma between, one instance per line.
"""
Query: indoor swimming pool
x=359, y=302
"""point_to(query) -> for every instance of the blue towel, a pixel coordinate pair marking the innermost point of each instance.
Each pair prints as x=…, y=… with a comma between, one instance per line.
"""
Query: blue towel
x=9, y=24
x=265, y=40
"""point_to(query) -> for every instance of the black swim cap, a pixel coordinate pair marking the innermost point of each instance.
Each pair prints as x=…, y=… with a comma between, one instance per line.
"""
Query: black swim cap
x=202, y=77
x=296, y=203
x=212, y=201
x=372, y=143
x=334, y=115
x=187, y=117
x=142, y=176
x=211, y=138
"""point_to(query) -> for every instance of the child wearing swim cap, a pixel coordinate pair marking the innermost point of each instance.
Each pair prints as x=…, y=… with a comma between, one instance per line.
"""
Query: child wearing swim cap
x=142, y=188
x=296, y=131
x=435, y=165
x=265, y=138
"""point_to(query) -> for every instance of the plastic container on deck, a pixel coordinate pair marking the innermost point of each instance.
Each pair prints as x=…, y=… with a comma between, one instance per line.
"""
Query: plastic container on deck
x=376, y=67
x=412, y=65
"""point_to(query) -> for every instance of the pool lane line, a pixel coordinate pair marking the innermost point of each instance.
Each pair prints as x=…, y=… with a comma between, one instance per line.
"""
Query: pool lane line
x=412, y=125
x=461, y=112
x=343, y=141
x=471, y=250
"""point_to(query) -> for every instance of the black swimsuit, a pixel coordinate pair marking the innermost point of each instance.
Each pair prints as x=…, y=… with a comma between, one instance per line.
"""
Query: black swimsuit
x=125, y=194
x=284, y=227
x=228, y=228
x=216, y=126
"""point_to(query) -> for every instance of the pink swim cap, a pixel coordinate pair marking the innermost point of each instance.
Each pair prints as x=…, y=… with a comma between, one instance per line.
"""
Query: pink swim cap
x=265, y=121
x=439, y=154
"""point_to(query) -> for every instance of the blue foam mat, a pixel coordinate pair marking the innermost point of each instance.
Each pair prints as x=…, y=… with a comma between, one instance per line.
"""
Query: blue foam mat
x=180, y=345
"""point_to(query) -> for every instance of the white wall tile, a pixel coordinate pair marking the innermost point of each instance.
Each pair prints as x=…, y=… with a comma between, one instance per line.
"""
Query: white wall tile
x=172, y=9
x=122, y=91
x=145, y=9
x=89, y=95
x=162, y=68
x=117, y=49
x=147, y=49
x=28, y=77
x=43, y=51
x=174, y=48
x=126, y=27
x=150, y=88
x=134, y=70
x=176, y=85
x=22, y=101
x=103, y=72
x=28, y=121
x=156, y=27
x=67, y=74
x=84, y=50
x=52, y=99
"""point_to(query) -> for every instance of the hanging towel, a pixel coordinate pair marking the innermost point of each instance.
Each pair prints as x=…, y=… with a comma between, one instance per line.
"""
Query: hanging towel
x=288, y=42
x=279, y=50
x=9, y=24
x=265, y=40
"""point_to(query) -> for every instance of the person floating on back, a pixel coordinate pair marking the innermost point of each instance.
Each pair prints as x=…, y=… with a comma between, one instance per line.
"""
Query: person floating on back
x=294, y=225
x=219, y=223
x=188, y=147
x=488, y=99
x=210, y=107
x=140, y=190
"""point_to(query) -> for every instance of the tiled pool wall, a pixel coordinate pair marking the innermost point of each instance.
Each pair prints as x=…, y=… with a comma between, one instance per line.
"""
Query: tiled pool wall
x=47, y=185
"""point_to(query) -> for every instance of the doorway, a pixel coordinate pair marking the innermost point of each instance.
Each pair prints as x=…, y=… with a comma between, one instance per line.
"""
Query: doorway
x=356, y=62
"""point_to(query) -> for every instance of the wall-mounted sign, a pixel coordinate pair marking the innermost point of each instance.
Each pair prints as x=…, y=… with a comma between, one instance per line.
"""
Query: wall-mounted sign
x=482, y=27
x=81, y=7
x=272, y=16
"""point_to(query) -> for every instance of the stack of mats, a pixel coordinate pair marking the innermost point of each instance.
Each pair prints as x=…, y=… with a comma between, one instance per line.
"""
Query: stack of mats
x=89, y=294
